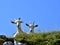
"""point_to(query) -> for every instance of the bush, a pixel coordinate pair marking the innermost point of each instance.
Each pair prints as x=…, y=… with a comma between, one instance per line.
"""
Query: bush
x=50, y=38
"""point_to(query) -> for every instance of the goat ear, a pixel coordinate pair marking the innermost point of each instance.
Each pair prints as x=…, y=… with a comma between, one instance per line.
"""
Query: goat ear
x=27, y=25
x=36, y=26
x=12, y=22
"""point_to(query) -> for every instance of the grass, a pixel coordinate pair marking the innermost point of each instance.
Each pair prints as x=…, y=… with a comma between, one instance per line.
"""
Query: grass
x=50, y=38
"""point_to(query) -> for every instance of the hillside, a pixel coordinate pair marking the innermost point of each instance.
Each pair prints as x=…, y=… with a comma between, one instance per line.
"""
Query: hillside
x=50, y=38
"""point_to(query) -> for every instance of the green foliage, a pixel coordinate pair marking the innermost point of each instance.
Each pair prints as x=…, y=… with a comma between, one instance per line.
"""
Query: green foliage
x=10, y=39
x=45, y=38
x=2, y=40
x=49, y=38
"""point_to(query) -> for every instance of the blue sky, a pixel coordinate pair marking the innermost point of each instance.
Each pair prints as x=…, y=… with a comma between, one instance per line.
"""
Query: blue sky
x=45, y=13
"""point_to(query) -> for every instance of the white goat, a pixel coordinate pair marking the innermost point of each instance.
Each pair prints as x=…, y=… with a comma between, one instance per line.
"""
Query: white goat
x=18, y=24
x=31, y=26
